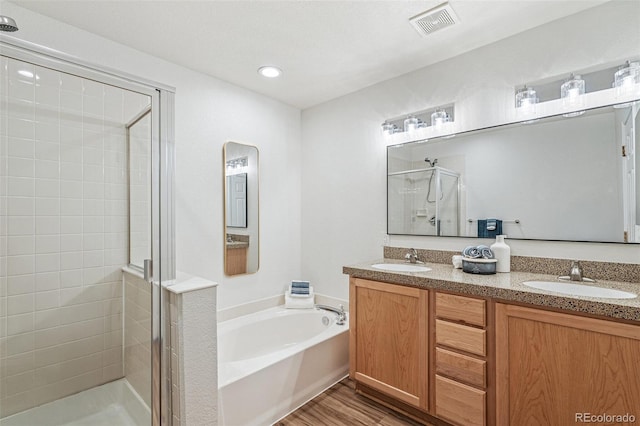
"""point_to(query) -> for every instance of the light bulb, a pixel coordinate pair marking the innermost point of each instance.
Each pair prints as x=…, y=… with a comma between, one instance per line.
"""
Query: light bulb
x=570, y=92
x=388, y=129
x=626, y=80
x=439, y=117
x=270, y=71
x=411, y=123
x=526, y=97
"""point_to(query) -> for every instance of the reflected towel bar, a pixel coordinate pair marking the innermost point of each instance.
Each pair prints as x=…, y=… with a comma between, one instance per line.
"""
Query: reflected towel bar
x=503, y=221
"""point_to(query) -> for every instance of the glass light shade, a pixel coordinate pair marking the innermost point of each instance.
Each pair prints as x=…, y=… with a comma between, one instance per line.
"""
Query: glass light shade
x=572, y=88
x=388, y=129
x=570, y=92
x=627, y=76
x=439, y=117
x=411, y=123
x=526, y=97
x=625, y=80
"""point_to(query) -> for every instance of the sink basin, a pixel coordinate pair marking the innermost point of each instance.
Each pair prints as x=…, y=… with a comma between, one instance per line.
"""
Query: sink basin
x=400, y=267
x=580, y=290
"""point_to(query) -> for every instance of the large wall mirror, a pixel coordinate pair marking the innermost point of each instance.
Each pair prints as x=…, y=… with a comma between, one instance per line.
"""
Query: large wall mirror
x=557, y=178
x=241, y=209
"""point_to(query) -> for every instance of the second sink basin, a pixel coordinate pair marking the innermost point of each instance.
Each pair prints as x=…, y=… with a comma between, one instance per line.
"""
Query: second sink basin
x=400, y=267
x=580, y=290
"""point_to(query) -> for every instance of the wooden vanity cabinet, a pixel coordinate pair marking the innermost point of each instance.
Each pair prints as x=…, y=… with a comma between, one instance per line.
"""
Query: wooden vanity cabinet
x=552, y=367
x=389, y=340
x=462, y=356
x=475, y=362
x=236, y=260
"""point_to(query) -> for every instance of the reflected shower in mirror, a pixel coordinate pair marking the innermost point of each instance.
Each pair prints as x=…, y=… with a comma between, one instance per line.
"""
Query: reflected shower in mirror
x=556, y=178
x=241, y=209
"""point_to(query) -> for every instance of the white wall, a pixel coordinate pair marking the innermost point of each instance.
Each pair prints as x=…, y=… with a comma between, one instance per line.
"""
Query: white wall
x=344, y=173
x=209, y=112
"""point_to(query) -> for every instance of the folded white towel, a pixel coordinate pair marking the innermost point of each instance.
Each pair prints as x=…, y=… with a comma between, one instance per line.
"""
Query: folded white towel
x=308, y=302
x=302, y=295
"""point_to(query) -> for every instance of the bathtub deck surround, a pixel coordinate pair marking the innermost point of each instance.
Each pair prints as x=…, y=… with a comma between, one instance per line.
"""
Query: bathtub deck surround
x=271, y=302
x=299, y=352
x=465, y=331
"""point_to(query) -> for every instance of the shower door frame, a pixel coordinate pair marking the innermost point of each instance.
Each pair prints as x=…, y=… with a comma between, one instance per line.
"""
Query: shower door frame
x=162, y=185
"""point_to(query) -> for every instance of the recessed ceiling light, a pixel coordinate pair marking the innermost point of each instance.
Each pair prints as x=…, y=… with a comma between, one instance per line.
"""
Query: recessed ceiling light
x=269, y=71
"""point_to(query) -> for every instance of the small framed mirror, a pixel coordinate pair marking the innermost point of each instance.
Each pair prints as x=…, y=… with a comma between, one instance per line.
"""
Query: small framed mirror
x=241, y=209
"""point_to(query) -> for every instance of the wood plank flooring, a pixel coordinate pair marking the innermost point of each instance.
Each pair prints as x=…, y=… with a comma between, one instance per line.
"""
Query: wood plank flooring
x=340, y=405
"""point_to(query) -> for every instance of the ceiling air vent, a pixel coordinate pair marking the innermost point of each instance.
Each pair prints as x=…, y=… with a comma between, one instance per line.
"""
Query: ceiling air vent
x=434, y=19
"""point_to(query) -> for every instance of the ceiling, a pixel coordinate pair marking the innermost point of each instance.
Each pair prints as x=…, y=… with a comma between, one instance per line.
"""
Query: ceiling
x=326, y=49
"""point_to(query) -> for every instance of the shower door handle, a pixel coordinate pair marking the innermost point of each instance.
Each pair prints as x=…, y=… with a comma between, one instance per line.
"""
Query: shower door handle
x=148, y=270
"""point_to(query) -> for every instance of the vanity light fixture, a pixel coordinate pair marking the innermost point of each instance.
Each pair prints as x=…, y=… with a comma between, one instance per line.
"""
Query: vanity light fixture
x=626, y=79
x=439, y=117
x=570, y=92
x=237, y=163
x=526, y=97
x=411, y=123
x=269, y=71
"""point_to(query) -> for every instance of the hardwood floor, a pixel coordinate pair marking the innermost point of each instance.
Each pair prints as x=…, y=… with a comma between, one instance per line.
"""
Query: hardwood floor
x=340, y=405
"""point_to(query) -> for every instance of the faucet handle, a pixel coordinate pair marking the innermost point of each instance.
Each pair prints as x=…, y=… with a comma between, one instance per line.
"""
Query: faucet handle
x=412, y=255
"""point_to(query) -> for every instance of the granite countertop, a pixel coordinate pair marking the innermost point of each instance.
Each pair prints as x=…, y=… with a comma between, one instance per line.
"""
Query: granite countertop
x=505, y=287
x=237, y=244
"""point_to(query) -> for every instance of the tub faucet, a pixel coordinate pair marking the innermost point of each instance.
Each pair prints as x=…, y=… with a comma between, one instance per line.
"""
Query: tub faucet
x=342, y=315
x=412, y=256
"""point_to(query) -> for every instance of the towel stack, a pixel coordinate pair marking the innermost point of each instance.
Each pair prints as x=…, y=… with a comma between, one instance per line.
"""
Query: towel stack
x=299, y=296
x=477, y=252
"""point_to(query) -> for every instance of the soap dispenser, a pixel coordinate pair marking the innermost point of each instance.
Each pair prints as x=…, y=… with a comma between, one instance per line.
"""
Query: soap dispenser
x=501, y=252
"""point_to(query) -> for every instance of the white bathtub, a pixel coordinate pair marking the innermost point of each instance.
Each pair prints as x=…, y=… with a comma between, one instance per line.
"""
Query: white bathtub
x=273, y=361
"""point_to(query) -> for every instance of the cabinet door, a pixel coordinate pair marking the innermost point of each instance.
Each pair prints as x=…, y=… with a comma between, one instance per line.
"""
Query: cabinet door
x=556, y=368
x=389, y=339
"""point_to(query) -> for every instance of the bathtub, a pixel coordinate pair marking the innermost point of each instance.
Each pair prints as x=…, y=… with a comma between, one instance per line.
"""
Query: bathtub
x=271, y=362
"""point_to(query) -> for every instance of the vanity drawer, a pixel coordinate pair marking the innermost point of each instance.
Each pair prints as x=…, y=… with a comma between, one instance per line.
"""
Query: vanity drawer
x=468, y=339
x=460, y=404
x=463, y=368
x=460, y=308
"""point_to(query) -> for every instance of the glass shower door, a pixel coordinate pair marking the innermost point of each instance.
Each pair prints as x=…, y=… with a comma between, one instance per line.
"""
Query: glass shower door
x=76, y=206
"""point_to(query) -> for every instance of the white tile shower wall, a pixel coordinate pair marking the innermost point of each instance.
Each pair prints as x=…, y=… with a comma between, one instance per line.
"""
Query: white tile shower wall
x=63, y=233
x=137, y=335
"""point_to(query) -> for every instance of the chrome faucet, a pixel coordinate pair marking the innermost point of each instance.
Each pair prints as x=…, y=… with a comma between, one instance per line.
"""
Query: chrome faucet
x=412, y=256
x=575, y=274
x=342, y=315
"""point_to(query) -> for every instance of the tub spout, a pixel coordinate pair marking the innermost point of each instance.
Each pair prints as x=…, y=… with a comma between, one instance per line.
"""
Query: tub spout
x=342, y=315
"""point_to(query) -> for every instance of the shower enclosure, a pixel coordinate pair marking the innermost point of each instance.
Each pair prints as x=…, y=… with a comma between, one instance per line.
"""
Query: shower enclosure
x=85, y=180
x=423, y=201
